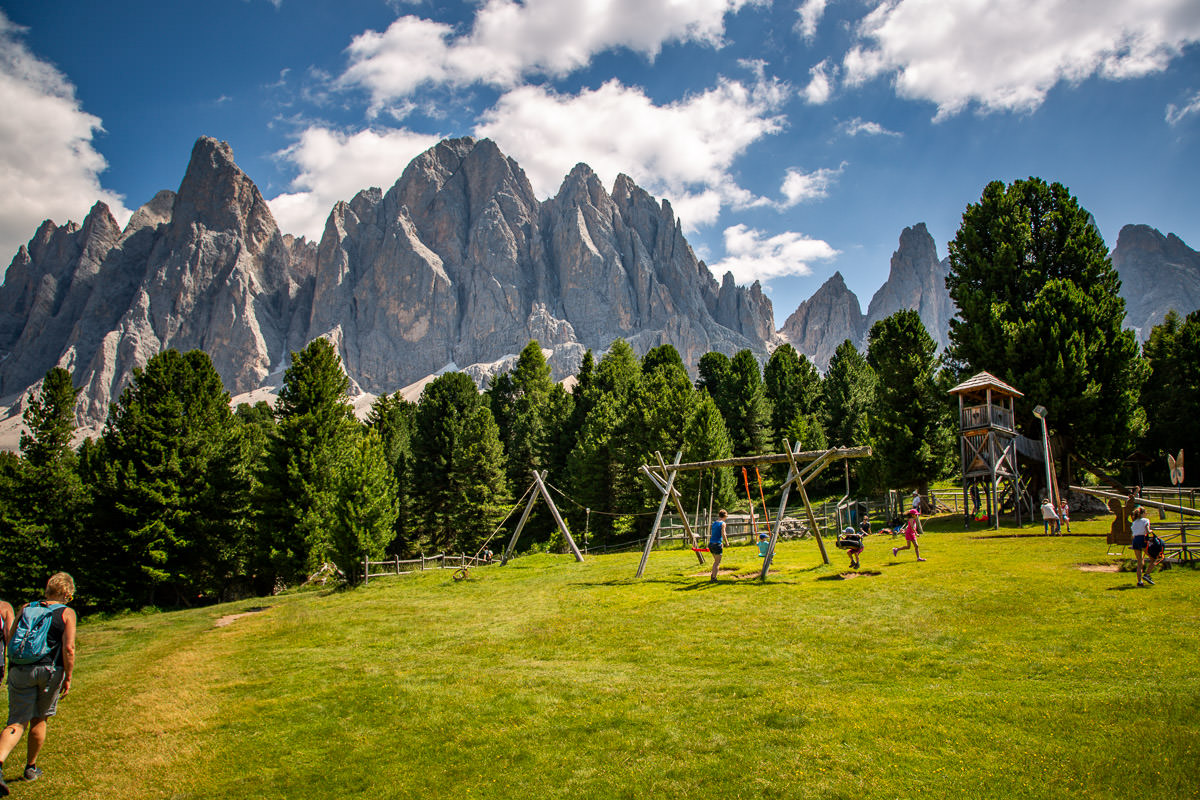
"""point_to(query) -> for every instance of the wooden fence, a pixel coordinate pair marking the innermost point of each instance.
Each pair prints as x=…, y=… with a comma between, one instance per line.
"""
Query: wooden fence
x=397, y=566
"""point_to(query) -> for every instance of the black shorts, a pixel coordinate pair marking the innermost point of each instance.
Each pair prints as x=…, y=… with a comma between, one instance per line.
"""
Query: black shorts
x=1139, y=542
x=716, y=548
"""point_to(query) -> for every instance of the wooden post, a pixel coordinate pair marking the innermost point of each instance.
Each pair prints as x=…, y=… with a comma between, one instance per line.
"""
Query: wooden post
x=662, y=506
x=793, y=475
x=562, y=526
x=520, y=526
x=812, y=520
x=366, y=570
x=679, y=507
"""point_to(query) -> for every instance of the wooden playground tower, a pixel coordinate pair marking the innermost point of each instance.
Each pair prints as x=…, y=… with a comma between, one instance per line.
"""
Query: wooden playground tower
x=663, y=475
x=988, y=440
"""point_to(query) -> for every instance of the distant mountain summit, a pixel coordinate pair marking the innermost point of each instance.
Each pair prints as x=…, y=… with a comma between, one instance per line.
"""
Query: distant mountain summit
x=1158, y=273
x=458, y=263
x=916, y=280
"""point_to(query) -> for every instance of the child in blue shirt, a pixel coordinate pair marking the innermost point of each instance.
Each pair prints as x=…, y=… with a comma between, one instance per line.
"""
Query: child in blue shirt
x=716, y=543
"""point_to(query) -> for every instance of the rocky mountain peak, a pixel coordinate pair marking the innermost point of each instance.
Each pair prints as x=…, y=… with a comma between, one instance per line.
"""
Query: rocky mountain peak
x=916, y=280
x=825, y=320
x=1158, y=273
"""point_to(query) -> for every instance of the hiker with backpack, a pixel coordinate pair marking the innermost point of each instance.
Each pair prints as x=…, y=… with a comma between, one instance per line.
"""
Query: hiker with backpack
x=41, y=660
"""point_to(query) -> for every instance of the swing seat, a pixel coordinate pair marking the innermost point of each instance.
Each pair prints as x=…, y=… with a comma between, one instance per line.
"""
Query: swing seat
x=700, y=550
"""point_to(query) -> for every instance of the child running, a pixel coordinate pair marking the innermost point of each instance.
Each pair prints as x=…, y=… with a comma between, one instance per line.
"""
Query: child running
x=911, y=531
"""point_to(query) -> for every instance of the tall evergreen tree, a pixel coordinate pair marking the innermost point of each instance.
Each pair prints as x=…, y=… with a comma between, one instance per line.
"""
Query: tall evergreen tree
x=911, y=431
x=1039, y=308
x=1172, y=392
x=706, y=439
x=749, y=420
x=793, y=387
x=44, y=500
x=394, y=418
x=518, y=400
x=849, y=396
x=364, y=517
x=457, y=446
x=301, y=477
x=157, y=497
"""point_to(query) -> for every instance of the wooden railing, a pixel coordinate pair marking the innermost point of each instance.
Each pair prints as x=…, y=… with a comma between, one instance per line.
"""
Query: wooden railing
x=977, y=417
x=396, y=566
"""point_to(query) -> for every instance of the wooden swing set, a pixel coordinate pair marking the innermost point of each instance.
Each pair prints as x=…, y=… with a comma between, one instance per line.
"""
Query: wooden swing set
x=662, y=475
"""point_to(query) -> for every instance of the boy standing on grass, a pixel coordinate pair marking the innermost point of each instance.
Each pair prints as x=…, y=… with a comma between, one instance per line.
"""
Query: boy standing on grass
x=1140, y=528
x=911, y=531
x=34, y=689
x=716, y=543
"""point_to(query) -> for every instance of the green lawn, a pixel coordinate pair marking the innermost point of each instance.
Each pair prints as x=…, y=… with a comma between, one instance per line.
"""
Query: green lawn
x=998, y=668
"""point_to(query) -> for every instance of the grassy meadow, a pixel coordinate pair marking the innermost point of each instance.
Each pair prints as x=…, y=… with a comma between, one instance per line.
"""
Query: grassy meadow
x=998, y=668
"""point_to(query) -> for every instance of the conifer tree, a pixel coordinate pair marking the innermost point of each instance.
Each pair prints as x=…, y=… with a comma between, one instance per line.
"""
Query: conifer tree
x=1039, y=308
x=393, y=418
x=457, y=448
x=749, y=420
x=157, y=497
x=849, y=396
x=793, y=387
x=1172, y=392
x=911, y=432
x=302, y=474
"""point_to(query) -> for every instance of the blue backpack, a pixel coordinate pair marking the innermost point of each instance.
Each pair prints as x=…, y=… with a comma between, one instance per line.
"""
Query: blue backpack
x=30, y=643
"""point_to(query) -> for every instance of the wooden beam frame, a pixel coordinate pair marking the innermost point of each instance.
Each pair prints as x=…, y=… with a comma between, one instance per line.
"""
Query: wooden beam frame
x=539, y=480
x=815, y=462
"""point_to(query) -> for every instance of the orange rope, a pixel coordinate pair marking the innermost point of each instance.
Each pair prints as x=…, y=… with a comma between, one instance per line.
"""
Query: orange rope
x=766, y=514
x=750, y=500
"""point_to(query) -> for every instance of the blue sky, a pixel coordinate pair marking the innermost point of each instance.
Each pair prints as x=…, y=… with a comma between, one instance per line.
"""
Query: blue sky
x=792, y=138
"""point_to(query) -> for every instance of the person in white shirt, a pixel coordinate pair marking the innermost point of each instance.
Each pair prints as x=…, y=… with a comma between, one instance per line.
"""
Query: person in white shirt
x=1140, y=528
x=1049, y=518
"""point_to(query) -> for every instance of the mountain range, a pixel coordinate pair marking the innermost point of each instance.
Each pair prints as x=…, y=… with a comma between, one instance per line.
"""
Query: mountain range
x=456, y=266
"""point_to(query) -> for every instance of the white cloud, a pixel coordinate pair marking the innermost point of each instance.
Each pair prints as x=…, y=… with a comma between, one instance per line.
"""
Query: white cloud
x=1176, y=113
x=801, y=187
x=753, y=256
x=810, y=12
x=858, y=125
x=510, y=39
x=1005, y=55
x=820, y=86
x=683, y=151
x=48, y=166
x=335, y=166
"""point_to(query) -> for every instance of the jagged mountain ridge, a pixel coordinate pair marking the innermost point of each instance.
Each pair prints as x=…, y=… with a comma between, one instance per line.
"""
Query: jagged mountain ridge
x=916, y=280
x=458, y=263
x=1157, y=273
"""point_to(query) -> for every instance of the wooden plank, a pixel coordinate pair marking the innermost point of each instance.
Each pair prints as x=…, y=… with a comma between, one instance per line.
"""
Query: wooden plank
x=679, y=506
x=777, y=458
x=662, y=507
x=1142, y=501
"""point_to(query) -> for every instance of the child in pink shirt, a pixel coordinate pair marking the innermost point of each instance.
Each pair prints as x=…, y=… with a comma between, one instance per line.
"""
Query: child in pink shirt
x=911, y=531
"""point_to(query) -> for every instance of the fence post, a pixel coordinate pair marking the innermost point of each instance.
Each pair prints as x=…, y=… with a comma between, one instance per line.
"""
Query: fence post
x=366, y=570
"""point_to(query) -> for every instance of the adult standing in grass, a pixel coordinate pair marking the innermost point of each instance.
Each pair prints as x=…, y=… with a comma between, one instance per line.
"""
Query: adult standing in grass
x=1140, y=528
x=1049, y=517
x=716, y=542
x=912, y=530
x=34, y=689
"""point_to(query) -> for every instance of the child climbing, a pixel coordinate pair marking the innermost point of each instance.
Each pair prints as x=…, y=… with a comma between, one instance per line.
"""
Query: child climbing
x=912, y=530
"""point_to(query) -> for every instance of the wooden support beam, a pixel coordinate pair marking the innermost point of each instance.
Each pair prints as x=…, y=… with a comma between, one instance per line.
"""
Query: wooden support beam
x=812, y=519
x=1191, y=512
x=512, y=542
x=662, y=506
x=783, y=498
x=777, y=458
x=562, y=526
x=679, y=507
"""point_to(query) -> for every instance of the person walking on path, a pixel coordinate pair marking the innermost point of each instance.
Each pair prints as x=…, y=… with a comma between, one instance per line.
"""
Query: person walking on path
x=1049, y=518
x=912, y=530
x=1140, y=528
x=34, y=689
x=716, y=543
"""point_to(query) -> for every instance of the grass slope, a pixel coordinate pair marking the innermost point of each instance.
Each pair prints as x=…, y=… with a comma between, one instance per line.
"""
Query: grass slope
x=996, y=669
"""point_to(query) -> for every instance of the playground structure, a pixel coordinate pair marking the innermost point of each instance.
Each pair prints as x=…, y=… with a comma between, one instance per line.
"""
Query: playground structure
x=1177, y=545
x=989, y=445
x=662, y=475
